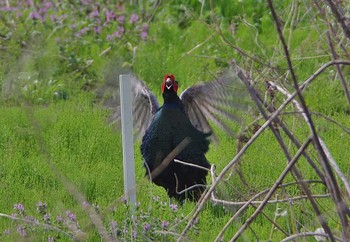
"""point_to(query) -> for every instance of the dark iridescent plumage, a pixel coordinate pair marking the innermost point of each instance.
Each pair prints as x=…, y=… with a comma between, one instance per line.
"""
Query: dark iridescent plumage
x=169, y=127
x=187, y=115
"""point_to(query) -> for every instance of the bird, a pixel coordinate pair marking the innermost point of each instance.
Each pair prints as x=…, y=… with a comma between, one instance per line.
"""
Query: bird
x=169, y=127
x=175, y=136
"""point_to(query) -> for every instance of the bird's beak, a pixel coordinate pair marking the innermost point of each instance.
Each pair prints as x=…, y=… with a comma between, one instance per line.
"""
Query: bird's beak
x=168, y=83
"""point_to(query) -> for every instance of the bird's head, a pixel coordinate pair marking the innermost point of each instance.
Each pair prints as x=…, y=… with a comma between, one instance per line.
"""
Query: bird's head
x=169, y=83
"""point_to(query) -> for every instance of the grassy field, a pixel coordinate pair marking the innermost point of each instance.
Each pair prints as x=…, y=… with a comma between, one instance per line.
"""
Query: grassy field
x=62, y=161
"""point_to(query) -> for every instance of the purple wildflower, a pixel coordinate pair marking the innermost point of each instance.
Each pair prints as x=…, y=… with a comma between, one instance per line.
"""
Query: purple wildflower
x=145, y=27
x=144, y=35
x=86, y=2
x=84, y=30
x=50, y=239
x=19, y=208
x=109, y=37
x=134, y=234
x=41, y=207
x=8, y=9
x=114, y=224
x=124, y=199
x=42, y=11
x=134, y=18
x=22, y=231
x=86, y=204
x=6, y=232
x=32, y=219
x=165, y=224
x=47, y=217
x=53, y=18
x=110, y=16
x=94, y=14
x=97, y=29
x=63, y=16
x=34, y=15
x=173, y=207
x=121, y=19
x=146, y=227
x=47, y=4
x=71, y=216
x=59, y=219
x=119, y=33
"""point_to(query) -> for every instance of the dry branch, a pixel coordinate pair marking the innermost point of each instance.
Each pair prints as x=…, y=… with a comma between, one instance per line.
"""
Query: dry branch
x=328, y=154
x=340, y=18
x=307, y=234
x=288, y=168
x=37, y=223
x=206, y=196
x=340, y=73
x=177, y=150
x=330, y=179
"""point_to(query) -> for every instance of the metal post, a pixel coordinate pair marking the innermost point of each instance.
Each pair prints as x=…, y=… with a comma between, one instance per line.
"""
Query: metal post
x=127, y=138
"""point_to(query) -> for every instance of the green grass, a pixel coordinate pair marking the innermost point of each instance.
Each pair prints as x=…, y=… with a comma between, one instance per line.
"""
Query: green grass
x=75, y=138
x=53, y=128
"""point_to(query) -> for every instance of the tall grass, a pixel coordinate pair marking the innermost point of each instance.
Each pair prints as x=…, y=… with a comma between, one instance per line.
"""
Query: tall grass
x=53, y=127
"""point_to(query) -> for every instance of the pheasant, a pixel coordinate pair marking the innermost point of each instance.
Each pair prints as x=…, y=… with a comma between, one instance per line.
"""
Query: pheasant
x=181, y=127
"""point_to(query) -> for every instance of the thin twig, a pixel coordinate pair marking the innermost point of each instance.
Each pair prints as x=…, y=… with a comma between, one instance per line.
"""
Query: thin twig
x=286, y=170
x=330, y=179
x=336, y=168
x=329, y=156
x=340, y=73
x=341, y=126
x=191, y=164
x=205, y=197
x=253, y=205
x=340, y=18
x=188, y=188
x=36, y=223
x=296, y=174
x=307, y=234
x=170, y=157
x=196, y=47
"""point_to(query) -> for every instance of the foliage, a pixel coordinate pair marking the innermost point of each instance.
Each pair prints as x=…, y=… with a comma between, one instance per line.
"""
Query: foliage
x=55, y=55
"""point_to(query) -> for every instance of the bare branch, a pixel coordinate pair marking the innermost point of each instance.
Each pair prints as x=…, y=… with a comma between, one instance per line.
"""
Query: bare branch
x=206, y=196
x=273, y=189
x=330, y=181
x=336, y=168
x=340, y=73
x=36, y=223
x=307, y=234
x=340, y=18
x=177, y=150
x=191, y=164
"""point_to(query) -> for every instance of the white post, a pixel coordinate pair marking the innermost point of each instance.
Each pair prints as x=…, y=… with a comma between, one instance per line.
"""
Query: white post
x=127, y=138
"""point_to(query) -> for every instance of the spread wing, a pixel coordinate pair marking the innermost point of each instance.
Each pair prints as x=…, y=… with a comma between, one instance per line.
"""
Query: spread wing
x=144, y=106
x=215, y=102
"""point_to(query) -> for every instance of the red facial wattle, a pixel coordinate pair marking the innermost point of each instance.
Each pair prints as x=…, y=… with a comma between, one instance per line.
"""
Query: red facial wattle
x=169, y=82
